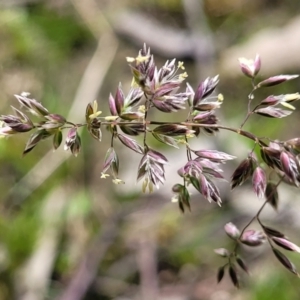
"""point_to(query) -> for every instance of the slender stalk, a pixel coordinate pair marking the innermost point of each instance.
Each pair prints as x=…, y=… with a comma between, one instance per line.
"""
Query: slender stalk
x=112, y=140
x=256, y=217
x=188, y=150
x=244, y=133
x=246, y=119
x=239, y=131
x=250, y=112
x=71, y=123
x=147, y=107
x=250, y=98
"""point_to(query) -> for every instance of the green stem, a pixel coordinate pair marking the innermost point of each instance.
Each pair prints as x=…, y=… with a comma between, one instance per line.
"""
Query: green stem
x=147, y=107
x=241, y=132
x=250, y=98
x=256, y=217
x=244, y=133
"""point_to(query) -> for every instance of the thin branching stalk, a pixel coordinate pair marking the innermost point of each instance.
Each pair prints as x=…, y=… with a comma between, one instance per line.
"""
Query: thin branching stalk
x=158, y=89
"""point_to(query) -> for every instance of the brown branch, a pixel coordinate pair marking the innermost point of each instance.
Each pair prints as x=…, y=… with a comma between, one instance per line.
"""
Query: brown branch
x=244, y=133
x=202, y=39
x=147, y=262
x=87, y=269
x=140, y=28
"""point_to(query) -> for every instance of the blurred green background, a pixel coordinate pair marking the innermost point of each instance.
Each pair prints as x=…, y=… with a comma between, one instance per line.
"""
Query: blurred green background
x=67, y=234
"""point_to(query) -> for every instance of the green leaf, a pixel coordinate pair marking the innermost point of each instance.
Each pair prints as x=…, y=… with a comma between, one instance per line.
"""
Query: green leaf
x=57, y=139
x=165, y=140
